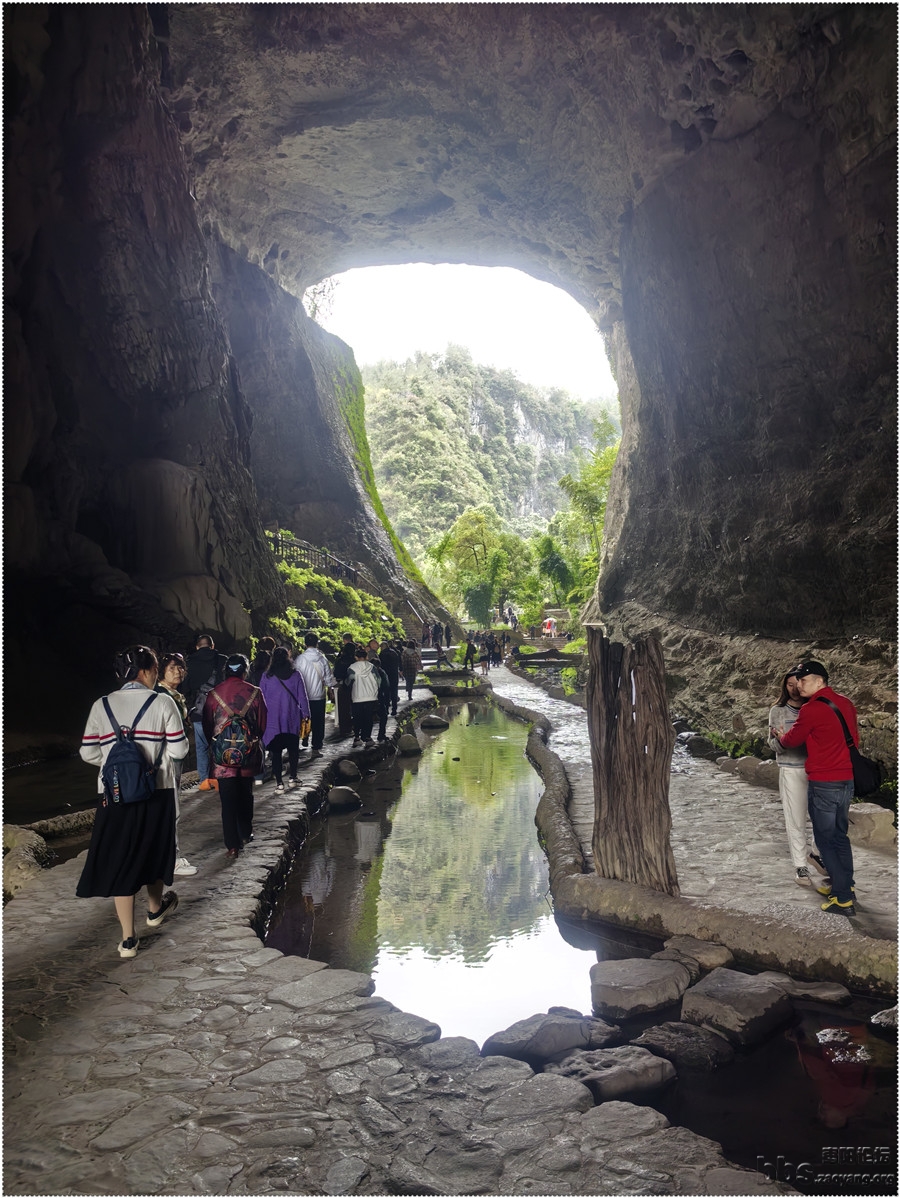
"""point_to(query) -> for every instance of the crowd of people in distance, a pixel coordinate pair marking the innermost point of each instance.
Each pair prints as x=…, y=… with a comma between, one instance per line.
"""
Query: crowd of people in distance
x=237, y=712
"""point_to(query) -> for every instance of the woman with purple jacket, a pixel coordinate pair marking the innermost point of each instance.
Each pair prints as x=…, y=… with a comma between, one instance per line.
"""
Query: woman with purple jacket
x=288, y=706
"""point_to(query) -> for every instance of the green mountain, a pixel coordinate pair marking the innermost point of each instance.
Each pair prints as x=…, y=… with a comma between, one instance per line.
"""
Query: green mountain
x=446, y=434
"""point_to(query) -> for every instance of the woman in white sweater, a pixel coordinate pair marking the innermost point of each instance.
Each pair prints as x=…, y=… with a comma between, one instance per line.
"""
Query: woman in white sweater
x=133, y=843
x=792, y=781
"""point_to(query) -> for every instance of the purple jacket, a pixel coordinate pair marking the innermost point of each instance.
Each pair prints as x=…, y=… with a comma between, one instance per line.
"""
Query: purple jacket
x=286, y=703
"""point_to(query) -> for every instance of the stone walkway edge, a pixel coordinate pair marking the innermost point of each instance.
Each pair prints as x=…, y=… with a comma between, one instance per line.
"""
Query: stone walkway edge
x=840, y=954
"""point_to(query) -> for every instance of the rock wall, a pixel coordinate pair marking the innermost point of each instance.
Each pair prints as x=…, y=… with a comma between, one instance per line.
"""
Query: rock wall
x=131, y=511
x=715, y=183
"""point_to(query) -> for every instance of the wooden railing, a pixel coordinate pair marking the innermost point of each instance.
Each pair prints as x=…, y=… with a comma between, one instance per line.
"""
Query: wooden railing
x=289, y=549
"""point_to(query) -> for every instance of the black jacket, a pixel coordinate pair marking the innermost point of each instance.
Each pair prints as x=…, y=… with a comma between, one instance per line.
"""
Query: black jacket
x=204, y=671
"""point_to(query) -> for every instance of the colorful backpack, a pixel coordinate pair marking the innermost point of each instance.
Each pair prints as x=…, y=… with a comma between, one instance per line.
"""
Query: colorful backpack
x=235, y=742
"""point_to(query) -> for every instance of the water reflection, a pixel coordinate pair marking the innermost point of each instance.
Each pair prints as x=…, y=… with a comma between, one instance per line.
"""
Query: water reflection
x=439, y=888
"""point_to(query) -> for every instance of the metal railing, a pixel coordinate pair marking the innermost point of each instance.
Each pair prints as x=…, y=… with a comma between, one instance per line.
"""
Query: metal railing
x=289, y=549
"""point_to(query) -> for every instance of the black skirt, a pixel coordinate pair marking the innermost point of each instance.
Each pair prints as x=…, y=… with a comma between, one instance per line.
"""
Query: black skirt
x=132, y=845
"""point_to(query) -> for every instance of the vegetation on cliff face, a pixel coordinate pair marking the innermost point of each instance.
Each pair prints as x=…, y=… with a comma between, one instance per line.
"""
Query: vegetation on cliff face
x=352, y=403
x=447, y=434
x=498, y=488
x=330, y=608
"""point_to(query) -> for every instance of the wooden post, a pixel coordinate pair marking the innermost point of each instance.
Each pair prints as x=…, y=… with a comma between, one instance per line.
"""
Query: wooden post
x=631, y=750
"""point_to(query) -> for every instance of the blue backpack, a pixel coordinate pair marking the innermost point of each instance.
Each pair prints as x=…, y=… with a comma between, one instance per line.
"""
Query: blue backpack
x=126, y=775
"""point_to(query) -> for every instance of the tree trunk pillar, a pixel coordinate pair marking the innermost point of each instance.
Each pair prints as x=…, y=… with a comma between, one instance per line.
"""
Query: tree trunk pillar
x=631, y=749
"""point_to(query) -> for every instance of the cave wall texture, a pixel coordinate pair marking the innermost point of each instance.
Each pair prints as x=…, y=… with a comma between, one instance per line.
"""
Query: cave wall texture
x=715, y=183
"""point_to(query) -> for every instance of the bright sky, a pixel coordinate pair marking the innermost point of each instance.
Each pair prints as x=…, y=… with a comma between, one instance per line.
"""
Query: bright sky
x=506, y=318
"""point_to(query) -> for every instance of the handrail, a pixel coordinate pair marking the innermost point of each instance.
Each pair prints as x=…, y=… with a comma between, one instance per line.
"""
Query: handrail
x=290, y=549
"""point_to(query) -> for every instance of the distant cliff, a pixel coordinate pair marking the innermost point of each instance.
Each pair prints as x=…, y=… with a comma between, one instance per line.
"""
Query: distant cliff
x=446, y=434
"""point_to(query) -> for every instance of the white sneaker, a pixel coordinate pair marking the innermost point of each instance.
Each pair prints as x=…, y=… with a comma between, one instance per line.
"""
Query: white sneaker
x=291, y=782
x=184, y=869
x=279, y=789
x=128, y=948
x=803, y=876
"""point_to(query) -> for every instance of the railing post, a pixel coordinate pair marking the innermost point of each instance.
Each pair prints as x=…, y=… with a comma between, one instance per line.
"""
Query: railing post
x=631, y=749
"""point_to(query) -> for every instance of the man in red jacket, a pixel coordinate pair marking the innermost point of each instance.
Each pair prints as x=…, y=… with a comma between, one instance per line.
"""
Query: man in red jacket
x=830, y=774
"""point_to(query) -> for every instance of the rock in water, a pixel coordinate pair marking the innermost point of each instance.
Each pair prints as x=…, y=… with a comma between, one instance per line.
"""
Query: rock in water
x=343, y=798
x=407, y=745
x=686, y=1046
x=623, y=989
x=434, y=722
x=611, y=1072
x=744, y=1008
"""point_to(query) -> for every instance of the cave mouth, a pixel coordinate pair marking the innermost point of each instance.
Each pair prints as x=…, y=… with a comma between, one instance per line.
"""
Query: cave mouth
x=505, y=317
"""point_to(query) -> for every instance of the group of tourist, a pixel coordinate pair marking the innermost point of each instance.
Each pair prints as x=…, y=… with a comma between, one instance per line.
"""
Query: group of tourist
x=237, y=712
x=434, y=635
x=489, y=647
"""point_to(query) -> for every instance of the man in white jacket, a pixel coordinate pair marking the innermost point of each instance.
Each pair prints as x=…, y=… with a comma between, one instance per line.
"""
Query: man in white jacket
x=312, y=665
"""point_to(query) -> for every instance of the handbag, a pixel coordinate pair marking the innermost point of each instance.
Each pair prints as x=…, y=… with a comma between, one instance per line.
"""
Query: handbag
x=305, y=722
x=867, y=774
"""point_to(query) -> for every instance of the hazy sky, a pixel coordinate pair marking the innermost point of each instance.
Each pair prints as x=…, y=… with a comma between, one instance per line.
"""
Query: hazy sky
x=506, y=318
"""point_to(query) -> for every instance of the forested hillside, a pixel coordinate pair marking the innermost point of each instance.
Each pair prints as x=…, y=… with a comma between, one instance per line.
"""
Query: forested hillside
x=447, y=434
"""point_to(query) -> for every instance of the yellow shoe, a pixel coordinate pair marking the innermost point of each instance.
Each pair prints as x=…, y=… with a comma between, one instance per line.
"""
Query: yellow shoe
x=208, y=784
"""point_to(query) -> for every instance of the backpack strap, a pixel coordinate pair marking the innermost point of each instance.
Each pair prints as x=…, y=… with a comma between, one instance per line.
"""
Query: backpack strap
x=117, y=728
x=232, y=712
x=834, y=707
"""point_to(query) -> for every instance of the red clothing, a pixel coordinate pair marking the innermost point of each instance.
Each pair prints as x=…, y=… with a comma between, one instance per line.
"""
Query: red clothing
x=235, y=692
x=818, y=727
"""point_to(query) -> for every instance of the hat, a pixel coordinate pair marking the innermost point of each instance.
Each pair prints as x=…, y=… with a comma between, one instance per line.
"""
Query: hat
x=810, y=667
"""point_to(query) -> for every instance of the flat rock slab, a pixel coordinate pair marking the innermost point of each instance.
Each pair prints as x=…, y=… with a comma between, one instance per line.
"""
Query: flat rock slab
x=686, y=1046
x=706, y=953
x=538, y=1098
x=623, y=989
x=741, y=1007
x=615, y=1072
x=832, y=992
x=321, y=988
x=543, y=1038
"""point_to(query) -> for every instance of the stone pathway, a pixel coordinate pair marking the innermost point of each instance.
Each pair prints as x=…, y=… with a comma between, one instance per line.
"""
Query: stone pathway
x=210, y=1064
x=728, y=836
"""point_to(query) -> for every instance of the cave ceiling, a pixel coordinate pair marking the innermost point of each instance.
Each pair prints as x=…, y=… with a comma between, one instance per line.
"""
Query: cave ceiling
x=324, y=137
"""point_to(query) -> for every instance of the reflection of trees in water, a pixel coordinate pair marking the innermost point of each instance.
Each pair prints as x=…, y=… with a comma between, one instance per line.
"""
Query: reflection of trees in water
x=463, y=867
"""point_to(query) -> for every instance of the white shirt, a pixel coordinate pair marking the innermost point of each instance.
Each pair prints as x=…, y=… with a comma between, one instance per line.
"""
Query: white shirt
x=312, y=666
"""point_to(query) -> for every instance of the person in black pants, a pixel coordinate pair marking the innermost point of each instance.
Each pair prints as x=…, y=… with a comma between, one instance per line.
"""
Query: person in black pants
x=390, y=663
x=235, y=695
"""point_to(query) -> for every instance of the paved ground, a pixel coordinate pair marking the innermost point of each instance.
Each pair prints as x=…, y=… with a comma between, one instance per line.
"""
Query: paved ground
x=210, y=1064
x=728, y=837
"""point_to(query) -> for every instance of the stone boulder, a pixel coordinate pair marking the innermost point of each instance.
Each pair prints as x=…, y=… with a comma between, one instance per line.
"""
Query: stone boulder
x=613, y=1072
x=740, y=1006
x=407, y=745
x=348, y=769
x=872, y=825
x=25, y=854
x=623, y=989
x=706, y=953
x=343, y=798
x=435, y=723
x=767, y=775
x=829, y=992
x=701, y=746
x=686, y=1046
x=747, y=767
x=728, y=764
x=548, y=1037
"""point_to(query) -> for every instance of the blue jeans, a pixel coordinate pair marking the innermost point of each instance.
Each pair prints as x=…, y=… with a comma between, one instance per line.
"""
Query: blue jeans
x=202, y=750
x=829, y=807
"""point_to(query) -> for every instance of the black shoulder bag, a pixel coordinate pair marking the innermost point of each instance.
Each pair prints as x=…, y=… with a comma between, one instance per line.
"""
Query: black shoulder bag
x=867, y=774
